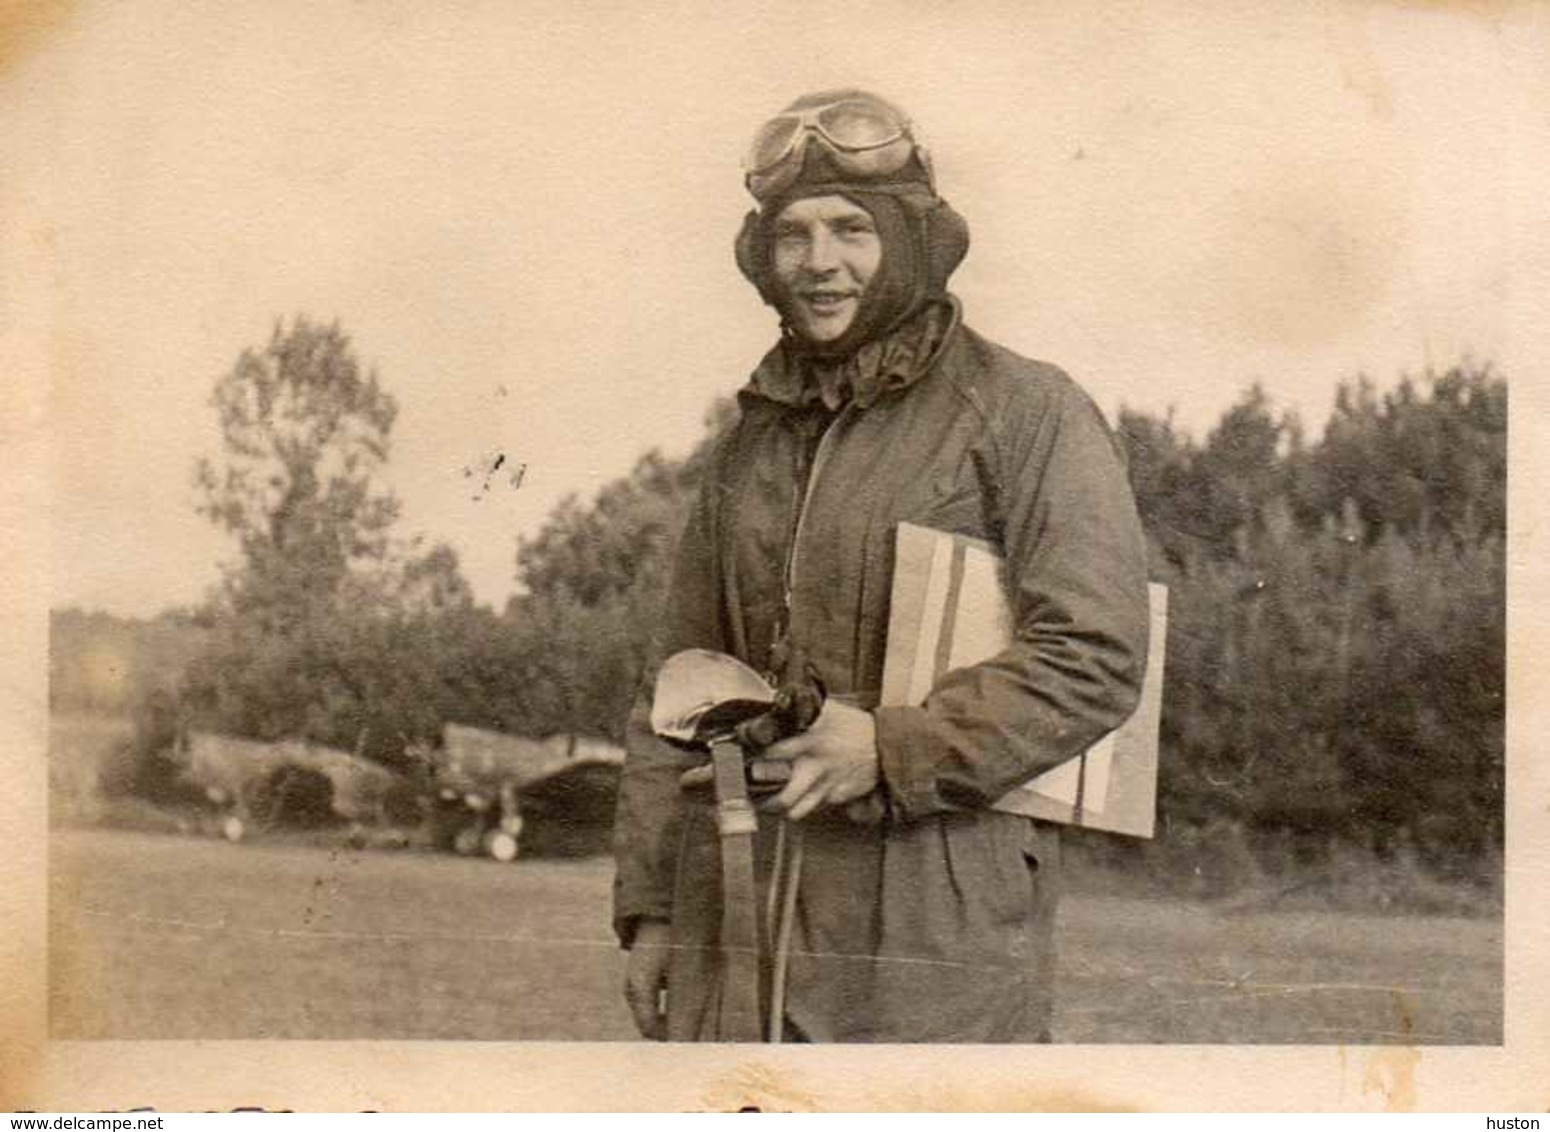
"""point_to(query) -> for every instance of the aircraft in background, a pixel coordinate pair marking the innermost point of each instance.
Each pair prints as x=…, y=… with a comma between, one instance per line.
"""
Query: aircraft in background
x=481, y=793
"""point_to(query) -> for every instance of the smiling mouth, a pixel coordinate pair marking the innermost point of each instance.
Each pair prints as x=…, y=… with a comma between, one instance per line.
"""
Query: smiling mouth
x=827, y=301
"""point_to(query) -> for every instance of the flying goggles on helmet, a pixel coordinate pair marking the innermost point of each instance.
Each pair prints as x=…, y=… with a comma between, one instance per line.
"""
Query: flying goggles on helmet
x=862, y=137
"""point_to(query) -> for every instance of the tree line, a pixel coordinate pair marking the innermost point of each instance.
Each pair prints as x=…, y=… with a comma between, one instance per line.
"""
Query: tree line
x=1335, y=657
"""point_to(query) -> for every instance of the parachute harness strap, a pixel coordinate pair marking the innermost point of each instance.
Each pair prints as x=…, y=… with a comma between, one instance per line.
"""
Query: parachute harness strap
x=741, y=942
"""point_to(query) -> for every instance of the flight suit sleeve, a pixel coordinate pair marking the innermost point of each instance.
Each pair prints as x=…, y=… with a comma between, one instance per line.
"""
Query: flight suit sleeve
x=649, y=812
x=1076, y=581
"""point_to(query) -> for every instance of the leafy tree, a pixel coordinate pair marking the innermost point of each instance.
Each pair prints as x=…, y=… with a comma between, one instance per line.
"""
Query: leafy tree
x=327, y=628
x=1414, y=461
x=622, y=541
x=1199, y=500
x=1161, y=462
x=1240, y=470
x=1335, y=662
x=306, y=433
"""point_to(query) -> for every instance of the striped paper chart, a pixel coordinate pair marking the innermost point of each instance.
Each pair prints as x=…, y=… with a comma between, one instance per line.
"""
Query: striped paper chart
x=949, y=610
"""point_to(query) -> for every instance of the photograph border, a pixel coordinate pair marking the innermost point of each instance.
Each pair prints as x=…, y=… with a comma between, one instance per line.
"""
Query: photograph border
x=38, y=1073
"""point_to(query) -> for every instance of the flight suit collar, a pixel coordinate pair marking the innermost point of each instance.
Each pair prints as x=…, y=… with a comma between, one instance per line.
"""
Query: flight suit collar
x=892, y=362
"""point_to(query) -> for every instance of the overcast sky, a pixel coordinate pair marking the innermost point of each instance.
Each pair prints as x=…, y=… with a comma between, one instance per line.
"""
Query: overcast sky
x=523, y=216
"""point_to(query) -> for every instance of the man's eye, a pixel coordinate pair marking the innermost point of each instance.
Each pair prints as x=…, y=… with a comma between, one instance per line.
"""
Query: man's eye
x=857, y=228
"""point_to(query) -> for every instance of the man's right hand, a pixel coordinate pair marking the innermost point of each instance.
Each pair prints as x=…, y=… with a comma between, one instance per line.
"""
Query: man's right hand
x=645, y=978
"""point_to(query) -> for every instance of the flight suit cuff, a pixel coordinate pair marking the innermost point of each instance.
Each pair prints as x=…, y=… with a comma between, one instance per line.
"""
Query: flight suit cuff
x=906, y=760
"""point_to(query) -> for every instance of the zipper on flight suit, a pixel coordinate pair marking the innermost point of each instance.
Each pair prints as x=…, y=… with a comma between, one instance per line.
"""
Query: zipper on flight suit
x=820, y=454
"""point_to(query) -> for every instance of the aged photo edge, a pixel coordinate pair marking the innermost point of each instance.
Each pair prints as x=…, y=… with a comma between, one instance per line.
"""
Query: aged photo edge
x=37, y=1073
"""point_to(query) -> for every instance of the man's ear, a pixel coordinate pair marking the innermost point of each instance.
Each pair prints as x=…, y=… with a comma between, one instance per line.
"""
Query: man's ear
x=753, y=256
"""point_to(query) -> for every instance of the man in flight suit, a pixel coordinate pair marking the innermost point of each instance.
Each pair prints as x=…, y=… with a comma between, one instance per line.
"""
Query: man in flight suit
x=879, y=406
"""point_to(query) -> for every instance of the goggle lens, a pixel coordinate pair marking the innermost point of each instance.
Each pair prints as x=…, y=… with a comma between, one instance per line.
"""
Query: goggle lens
x=773, y=142
x=856, y=125
x=847, y=126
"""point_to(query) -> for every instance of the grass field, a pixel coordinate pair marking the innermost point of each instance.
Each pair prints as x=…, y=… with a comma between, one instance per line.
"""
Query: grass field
x=159, y=936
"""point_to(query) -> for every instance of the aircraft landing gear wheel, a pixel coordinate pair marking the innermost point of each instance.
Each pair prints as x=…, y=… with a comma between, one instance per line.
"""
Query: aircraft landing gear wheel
x=502, y=847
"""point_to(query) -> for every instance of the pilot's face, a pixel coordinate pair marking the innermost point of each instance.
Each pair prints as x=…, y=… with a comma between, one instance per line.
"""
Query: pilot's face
x=826, y=251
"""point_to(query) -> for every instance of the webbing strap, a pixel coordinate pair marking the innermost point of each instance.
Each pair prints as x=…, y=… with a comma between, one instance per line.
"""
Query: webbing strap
x=736, y=822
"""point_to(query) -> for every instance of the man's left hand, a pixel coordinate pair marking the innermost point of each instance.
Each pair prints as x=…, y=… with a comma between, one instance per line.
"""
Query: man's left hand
x=833, y=762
